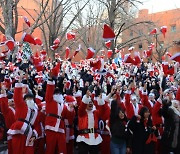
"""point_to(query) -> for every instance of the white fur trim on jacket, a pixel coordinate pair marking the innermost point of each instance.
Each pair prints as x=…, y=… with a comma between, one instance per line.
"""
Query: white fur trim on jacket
x=159, y=100
x=91, y=140
x=51, y=82
x=18, y=85
x=35, y=133
x=100, y=101
x=3, y=95
x=39, y=97
x=86, y=100
x=144, y=92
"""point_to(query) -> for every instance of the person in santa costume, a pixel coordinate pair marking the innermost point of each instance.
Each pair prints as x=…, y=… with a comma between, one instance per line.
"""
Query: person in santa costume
x=131, y=103
x=40, y=141
x=8, y=113
x=56, y=112
x=69, y=128
x=103, y=123
x=24, y=130
x=88, y=138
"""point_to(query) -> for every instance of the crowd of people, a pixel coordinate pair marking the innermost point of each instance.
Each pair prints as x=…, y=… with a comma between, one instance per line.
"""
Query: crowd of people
x=63, y=108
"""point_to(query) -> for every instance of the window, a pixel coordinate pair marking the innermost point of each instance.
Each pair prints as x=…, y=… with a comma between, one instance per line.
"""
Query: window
x=173, y=28
x=131, y=33
x=140, y=32
x=161, y=44
x=140, y=46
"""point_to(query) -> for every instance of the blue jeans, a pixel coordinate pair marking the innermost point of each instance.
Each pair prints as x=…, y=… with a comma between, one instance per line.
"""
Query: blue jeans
x=118, y=148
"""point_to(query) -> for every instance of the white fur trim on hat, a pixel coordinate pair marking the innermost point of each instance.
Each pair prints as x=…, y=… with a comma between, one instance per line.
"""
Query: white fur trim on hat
x=86, y=100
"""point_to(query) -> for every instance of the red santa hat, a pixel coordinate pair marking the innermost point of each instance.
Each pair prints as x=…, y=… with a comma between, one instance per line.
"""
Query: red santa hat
x=57, y=55
x=56, y=41
x=154, y=31
x=152, y=45
x=67, y=52
x=43, y=52
x=131, y=49
x=54, y=47
x=77, y=51
x=176, y=57
x=109, y=53
x=90, y=53
x=27, y=21
x=137, y=58
x=128, y=59
x=73, y=65
x=38, y=41
x=68, y=85
x=70, y=36
x=10, y=44
x=110, y=75
x=56, y=69
x=70, y=99
x=28, y=38
x=108, y=33
x=97, y=65
x=163, y=30
x=108, y=44
x=169, y=54
x=2, y=56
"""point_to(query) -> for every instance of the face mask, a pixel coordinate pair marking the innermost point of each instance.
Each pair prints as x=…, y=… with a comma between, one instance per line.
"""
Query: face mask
x=58, y=98
x=30, y=104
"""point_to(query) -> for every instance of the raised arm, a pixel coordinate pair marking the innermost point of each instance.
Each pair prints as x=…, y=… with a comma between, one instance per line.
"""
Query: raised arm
x=18, y=96
x=49, y=91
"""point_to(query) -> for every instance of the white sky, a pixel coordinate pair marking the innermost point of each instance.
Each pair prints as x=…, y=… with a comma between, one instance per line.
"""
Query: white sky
x=159, y=5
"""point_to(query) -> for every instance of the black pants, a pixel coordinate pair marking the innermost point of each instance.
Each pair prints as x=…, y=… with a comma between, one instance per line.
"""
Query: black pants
x=84, y=148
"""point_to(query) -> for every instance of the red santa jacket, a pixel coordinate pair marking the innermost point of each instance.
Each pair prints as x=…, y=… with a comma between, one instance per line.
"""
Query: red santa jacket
x=89, y=120
x=178, y=94
x=8, y=112
x=41, y=112
x=103, y=122
x=156, y=117
x=55, y=112
x=69, y=127
x=130, y=109
x=146, y=102
x=24, y=116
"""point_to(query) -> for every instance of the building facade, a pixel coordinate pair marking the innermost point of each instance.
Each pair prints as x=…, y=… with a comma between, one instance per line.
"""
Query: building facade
x=171, y=42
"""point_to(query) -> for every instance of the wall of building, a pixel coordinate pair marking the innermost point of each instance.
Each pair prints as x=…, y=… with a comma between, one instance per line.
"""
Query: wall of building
x=170, y=18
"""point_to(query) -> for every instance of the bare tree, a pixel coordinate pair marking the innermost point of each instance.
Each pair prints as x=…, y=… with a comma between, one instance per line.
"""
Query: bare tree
x=9, y=23
x=55, y=21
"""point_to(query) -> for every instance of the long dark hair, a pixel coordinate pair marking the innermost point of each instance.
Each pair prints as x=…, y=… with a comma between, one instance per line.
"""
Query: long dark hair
x=141, y=113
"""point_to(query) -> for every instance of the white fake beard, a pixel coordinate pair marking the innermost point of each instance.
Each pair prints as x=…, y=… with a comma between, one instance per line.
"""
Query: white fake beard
x=31, y=104
x=58, y=98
